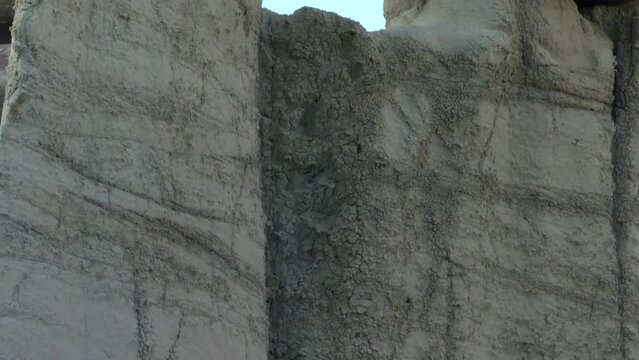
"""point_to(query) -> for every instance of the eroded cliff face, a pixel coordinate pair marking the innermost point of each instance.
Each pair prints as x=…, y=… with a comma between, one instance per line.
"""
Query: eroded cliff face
x=622, y=25
x=450, y=188
x=130, y=212
x=460, y=186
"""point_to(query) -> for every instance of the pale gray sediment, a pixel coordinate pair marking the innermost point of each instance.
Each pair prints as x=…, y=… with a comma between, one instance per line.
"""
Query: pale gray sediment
x=461, y=185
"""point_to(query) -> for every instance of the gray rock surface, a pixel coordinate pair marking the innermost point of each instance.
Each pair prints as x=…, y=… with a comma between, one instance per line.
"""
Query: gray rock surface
x=444, y=190
x=460, y=186
x=622, y=25
x=130, y=212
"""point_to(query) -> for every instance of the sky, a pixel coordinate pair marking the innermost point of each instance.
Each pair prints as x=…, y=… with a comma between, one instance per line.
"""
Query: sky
x=369, y=13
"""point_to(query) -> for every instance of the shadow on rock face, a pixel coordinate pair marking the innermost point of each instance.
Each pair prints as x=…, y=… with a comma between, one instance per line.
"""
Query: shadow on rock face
x=6, y=19
x=5, y=51
x=602, y=2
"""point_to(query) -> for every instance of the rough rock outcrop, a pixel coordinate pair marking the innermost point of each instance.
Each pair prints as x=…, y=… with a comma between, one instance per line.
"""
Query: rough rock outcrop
x=460, y=186
x=130, y=213
x=446, y=189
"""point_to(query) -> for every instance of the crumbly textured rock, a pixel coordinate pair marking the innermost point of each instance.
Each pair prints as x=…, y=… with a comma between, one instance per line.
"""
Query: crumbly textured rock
x=461, y=186
x=441, y=191
x=130, y=210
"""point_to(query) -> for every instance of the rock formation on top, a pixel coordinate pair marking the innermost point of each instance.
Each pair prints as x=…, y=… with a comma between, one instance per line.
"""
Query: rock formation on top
x=191, y=180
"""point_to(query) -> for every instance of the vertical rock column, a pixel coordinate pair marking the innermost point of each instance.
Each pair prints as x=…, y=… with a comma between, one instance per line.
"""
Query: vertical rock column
x=131, y=224
x=442, y=190
x=327, y=243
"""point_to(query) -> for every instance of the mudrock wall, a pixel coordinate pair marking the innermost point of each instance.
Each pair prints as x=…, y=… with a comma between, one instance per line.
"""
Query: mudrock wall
x=457, y=187
x=130, y=212
x=461, y=186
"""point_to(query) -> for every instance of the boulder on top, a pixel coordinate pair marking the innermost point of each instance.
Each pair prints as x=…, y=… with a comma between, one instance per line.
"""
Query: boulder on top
x=400, y=12
x=562, y=37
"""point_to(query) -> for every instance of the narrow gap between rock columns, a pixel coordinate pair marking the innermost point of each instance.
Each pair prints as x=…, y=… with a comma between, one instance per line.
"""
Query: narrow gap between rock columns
x=624, y=115
x=590, y=3
x=6, y=19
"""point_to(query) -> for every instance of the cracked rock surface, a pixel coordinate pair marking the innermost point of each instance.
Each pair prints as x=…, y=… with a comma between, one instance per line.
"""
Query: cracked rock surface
x=191, y=180
x=130, y=212
x=450, y=188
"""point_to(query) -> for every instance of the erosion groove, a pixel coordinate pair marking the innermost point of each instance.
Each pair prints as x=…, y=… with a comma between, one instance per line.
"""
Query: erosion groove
x=623, y=28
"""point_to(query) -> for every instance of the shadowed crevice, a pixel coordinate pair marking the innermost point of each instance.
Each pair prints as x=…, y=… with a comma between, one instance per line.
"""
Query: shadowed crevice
x=603, y=2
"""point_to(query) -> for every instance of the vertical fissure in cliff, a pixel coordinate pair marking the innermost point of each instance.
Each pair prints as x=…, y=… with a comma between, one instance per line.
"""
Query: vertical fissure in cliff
x=624, y=114
x=6, y=19
x=622, y=26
